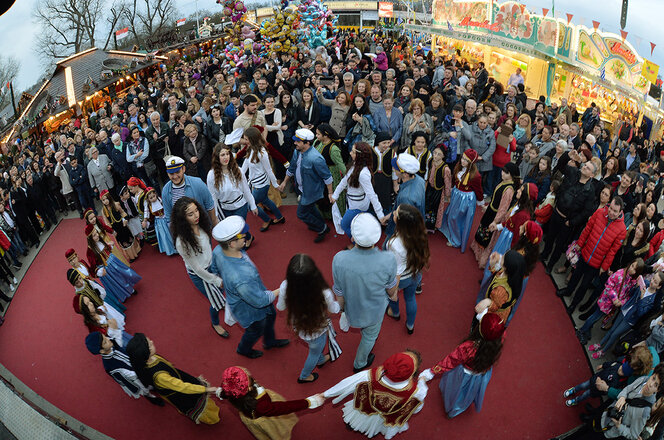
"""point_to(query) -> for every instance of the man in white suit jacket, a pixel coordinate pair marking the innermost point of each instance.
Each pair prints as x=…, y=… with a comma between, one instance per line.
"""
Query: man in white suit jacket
x=99, y=172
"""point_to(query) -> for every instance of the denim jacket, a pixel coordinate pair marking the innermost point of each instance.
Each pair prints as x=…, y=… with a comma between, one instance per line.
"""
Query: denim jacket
x=194, y=187
x=411, y=193
x=247, y=296
x=315, y=175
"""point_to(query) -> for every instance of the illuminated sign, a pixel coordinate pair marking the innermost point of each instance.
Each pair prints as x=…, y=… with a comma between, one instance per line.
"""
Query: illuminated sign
x=618, y=49
x=493, y=27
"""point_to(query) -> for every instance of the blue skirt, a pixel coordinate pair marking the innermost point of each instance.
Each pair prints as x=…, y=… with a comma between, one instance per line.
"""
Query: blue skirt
x=503, y=244
x=164, y=236
x=460, y=388
x=458, y=218
x=119, y=280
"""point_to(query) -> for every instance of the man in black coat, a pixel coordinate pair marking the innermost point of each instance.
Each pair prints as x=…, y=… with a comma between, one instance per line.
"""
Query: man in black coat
x=78, y=178
x=38, y=201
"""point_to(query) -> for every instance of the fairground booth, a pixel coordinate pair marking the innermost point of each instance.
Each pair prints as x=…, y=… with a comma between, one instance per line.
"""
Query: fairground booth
x=557, y=59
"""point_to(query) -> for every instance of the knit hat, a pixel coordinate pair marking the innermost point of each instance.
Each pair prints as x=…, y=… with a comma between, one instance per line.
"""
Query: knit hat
x=511, y=169
x=399, y=367
x=235, y=382
x=93, y=342
x=491, y=327
x=532, y=191
x=533, y=232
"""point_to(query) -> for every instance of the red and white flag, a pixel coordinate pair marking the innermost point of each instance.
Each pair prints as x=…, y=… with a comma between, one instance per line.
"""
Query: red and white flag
x=180, y=22
x=122, y=33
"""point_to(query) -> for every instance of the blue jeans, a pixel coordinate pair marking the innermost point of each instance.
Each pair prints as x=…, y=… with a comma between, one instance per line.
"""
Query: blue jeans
x=198, y=282
x=408, y=285
x=592, y=319
x=369, y=336
x=310, y=215
x=264, y=328
x=620, y=326
x=242, y=211
x=260, y=196
x=586, y=391
x=315, y=356
x=347, y=219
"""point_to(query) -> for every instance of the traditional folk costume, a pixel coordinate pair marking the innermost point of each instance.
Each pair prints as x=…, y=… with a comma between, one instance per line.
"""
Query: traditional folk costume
x=182, y=390
x=534, y=234
x=332, y=155
x=117, y=365
x=496, y=212
x=87, y=273
x=96, y=294
x=458, y=217
x=106, y=233
x=507, y=233
x=439, y=188
x=157, y=231
x=424, y=158
x=119, y=279
x=133, y=215
x=273, y=417
x=383, y=177
x=497, y=289
x=460, y=384
x=359, y=198
x=118, y=221
x=385, y=398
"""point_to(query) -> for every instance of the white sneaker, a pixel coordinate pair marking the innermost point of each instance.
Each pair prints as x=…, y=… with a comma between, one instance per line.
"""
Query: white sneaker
x=12, y=288
x=15, y=281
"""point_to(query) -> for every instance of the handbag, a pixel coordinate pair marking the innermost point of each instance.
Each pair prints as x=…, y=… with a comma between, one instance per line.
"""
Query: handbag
x=483, y=236
x=573, y=253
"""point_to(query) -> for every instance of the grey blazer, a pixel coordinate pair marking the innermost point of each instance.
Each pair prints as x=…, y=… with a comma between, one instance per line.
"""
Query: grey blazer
x=100, y=177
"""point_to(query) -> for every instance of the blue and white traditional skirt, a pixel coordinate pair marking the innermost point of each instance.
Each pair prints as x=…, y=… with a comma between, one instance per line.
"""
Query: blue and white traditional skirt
x=458, y=218
x=460, y=387
x=119, y=280
x=164, y=237
x=503, y=244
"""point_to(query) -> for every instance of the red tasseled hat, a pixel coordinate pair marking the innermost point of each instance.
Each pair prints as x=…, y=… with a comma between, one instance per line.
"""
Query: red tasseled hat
x=491, y=327
x=69, y=253
x=399, y=367
x=88, y=229
x=533, y=232
x=135, y=181
x=471, y=155
x=532, y=191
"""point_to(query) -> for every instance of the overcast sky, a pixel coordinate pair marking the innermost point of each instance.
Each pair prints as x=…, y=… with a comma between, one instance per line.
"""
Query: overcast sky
x=17, y=30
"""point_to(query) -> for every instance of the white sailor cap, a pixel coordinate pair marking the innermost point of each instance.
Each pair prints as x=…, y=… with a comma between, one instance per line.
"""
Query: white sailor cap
x=365, y=229
x=304, y=135
x=234, y=136
x=229, y=228
x=406, y=163
x=173, y=164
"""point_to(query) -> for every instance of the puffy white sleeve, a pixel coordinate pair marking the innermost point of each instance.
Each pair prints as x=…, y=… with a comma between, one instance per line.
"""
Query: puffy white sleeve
x=281, y=301
x=267, y=167
x=343, y=184
x=367, y=187
x=246, y=191
x=346, y=386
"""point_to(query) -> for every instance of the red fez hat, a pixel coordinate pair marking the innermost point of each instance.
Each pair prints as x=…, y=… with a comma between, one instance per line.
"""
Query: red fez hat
x=235, y=382
x=69, y=253
x=533, y=232
x=471, y=155
x=88, y=229
x=77, y=304
x=491, y=327
x=135, y=181
x=103, y=193
x=532, y=191
x=399, y=367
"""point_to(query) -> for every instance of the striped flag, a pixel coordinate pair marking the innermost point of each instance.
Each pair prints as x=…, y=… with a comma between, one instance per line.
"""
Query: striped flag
x=602, y=74
x=122, y=33
x=449, y=26
x=180, y=22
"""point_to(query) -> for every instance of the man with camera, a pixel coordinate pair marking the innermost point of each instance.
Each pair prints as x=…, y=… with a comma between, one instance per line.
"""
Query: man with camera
x=626, y=418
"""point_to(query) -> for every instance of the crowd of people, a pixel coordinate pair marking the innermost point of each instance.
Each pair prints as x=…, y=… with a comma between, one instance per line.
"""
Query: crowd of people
x=374, y=136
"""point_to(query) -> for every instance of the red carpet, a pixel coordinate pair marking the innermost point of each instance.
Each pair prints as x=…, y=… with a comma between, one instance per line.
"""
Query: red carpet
x=42, y=344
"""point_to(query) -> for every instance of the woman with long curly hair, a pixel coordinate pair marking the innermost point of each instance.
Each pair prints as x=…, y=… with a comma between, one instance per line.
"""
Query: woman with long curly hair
x=229, y=188
x=360, y=193
x=467, y=370
x=308, y=299
x=192, y=233
x=410, y=247
x=261, y=176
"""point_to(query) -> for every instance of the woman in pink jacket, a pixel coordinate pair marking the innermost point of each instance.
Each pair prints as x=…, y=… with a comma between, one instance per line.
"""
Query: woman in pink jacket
x=616, y=293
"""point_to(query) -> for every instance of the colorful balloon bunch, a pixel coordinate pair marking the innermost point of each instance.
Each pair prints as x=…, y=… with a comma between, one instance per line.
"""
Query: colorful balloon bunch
x=319, y=23
x=234, y=9
x=281, y=30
